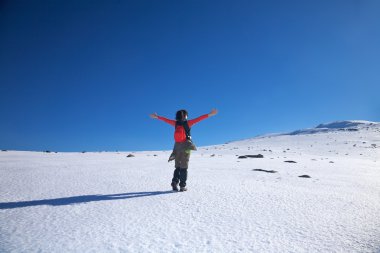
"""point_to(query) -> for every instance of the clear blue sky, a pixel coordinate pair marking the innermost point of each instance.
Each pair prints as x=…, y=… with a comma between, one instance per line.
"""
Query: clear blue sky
x=85, y=75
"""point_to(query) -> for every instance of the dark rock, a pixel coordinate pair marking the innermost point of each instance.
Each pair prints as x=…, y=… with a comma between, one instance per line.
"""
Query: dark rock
x=267, y=171
x=212, y=155
x=331, y=162
x=290, y=161
x=47, y=151
x=255, y=156
x=130, y=155
x=4, y=150
x=251, y=156
x=305, y=176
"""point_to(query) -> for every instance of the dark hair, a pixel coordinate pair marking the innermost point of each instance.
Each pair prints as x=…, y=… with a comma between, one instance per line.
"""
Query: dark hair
x=180, y=115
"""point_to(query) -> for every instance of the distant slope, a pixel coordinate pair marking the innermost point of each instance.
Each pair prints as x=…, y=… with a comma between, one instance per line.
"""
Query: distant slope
x=358, y=130
x=347, y=125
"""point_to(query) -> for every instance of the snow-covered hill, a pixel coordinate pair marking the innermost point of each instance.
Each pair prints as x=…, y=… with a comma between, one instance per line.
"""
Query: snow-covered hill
x=108, y=202
x=346, y=125
x=353, y=125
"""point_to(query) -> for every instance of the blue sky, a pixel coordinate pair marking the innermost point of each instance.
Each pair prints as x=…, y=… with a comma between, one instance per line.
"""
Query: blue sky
x=85, y=75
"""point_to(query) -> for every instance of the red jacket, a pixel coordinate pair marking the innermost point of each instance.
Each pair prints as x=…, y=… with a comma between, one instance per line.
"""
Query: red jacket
x=179, y=133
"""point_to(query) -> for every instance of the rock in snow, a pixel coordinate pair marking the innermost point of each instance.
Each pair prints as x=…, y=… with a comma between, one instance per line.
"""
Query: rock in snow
x=305, y=176
x=251, y=156
x=267, y=171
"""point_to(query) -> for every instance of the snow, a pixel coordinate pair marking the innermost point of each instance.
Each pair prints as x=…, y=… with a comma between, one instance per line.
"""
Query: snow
x=347, y=124
x=352, y=125
x=106, y=202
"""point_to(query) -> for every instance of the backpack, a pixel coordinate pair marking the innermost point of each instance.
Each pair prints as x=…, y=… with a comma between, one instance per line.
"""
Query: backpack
x=185, y=126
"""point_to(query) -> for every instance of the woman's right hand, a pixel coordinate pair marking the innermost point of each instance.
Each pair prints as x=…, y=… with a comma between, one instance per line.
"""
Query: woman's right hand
x=213, y=112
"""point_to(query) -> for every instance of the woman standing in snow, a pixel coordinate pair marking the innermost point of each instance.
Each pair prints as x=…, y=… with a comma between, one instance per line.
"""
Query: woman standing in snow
x=183, y=144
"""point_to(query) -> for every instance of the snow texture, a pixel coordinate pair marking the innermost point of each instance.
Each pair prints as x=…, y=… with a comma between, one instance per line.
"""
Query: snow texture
x=108, y=202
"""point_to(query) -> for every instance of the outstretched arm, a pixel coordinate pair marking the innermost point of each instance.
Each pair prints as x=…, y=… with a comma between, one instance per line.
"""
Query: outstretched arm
x=196, y=120
x=156, y=116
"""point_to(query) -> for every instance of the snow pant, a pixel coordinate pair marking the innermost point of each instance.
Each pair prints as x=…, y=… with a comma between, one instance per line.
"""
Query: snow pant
x=181, y=152
x=180, y=175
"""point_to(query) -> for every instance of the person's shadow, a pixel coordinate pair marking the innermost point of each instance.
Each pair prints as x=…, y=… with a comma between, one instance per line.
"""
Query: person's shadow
x=79, y=199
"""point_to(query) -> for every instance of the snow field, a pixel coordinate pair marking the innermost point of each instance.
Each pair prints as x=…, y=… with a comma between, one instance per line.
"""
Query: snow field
x=106, y=202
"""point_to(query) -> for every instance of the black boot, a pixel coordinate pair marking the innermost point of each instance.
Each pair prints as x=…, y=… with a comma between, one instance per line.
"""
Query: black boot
x=175, y=186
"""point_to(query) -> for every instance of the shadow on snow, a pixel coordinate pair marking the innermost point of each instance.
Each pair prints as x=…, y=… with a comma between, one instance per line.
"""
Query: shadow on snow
x=79, y=199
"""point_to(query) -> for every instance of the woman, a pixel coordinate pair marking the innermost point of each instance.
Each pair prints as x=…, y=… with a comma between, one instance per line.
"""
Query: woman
x=183, y=144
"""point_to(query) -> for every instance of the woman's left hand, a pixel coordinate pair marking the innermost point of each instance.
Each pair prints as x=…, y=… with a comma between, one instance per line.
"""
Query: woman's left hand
x=154, y=115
